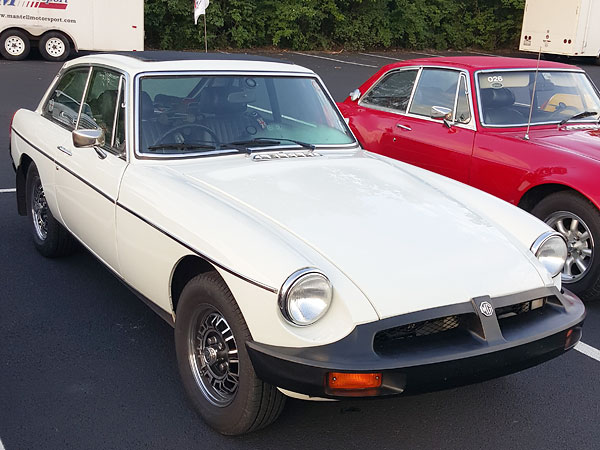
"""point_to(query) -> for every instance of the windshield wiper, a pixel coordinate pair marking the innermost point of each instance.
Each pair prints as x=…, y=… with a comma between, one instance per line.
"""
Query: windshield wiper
x=261, y=141
x=580, y=115
x=182, y=146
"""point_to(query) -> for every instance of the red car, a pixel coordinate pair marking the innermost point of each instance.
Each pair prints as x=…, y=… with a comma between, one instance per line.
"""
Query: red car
x=467, y=118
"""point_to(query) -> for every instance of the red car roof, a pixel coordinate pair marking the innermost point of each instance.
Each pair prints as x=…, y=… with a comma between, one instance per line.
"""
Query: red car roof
x=473, y=63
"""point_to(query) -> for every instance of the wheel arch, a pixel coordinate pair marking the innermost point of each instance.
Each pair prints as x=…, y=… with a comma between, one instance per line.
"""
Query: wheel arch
x=21, y=183
x=535, y=194
x=186, y=268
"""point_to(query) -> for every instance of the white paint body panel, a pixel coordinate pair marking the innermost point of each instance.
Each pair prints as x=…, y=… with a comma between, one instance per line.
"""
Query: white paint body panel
x=551, y=22
x=392, y=238
x=113, y=25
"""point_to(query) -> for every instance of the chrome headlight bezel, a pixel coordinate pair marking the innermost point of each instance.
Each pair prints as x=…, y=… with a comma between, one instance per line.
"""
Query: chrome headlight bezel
x=293, y=282
x=542, y=243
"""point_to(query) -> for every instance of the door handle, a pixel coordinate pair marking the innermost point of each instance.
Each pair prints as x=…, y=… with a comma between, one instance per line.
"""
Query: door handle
x=404, y=127
x=64, y=150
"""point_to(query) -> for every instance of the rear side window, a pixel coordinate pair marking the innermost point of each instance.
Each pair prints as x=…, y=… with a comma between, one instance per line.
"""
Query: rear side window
x=392, y=92
x=63, y=105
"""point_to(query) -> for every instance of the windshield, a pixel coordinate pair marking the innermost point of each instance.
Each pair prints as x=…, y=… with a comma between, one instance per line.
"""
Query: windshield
x=220, y=114
x=505, y=97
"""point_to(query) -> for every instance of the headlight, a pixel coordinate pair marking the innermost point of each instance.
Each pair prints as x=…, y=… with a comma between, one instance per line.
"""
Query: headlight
x=305, y=296
x=551, y=250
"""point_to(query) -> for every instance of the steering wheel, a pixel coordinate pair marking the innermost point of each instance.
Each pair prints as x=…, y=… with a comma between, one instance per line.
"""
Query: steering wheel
x=210, y=132
x=562, y=110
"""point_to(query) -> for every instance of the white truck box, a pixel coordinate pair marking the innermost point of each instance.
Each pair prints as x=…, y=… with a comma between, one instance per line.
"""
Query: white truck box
x=561, y=27
x=111, y=25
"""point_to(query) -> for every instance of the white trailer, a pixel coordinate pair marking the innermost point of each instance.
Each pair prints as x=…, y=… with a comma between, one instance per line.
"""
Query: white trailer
x=562, y=27
x=57, y=26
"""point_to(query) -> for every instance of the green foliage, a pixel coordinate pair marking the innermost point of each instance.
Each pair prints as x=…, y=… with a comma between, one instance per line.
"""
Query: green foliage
x=325, y=24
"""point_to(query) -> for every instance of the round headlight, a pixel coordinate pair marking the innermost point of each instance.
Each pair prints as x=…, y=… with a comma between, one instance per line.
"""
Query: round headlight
x=305, y=297
x=551, y=250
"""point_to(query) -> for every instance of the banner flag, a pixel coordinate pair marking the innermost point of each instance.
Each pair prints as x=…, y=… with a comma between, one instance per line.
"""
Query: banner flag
x=199, y=9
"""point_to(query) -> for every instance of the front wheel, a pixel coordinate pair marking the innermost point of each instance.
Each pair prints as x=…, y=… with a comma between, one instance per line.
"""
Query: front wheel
x=210, y=340
x=578, y=220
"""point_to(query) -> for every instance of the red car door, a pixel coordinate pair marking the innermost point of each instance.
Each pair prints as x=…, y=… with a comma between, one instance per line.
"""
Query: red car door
x=394, y=119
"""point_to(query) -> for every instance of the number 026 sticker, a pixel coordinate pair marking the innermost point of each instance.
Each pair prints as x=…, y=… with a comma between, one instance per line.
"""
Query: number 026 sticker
x=495, y=81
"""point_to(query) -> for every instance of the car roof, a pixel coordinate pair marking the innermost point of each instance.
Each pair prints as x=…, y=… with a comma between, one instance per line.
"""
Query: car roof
x=169, y=61
x=474, y=63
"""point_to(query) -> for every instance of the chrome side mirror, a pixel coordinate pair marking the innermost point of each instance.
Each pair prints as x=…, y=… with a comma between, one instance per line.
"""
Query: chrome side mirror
x=88, y=138
x=354, y=95
x=441, y=112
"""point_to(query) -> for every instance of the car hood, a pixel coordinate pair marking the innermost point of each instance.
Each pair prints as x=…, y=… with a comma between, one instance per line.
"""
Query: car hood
x=581, y=142
x=401, y=240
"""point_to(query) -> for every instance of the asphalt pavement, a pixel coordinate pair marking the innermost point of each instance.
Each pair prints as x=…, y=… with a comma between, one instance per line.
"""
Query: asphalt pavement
x=85, y=365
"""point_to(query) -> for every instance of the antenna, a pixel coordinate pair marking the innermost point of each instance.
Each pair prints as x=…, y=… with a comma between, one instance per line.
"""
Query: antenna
x=526, y=137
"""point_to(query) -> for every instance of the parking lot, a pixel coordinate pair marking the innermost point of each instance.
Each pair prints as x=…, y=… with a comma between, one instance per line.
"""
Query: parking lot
x=85, y=364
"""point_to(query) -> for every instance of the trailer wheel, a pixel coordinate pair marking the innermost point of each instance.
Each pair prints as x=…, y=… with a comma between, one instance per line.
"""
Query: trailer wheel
x=55, y=46
x=14, y=45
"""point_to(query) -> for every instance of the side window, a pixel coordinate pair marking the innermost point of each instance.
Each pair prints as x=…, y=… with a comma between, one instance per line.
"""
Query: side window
x=63, y=105
x=393, y=91
x=100, y=104
x=463, y=111
x=436, y=87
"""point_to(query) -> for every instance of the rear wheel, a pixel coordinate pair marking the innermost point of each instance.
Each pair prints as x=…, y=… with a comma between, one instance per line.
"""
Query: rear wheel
x=14, y=45
x=210, y=339
x=578, y=220
x=55, y=46
x=50, y=237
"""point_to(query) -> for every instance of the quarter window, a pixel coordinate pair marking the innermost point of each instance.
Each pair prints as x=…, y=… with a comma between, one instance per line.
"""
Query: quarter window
x=63, y=105
x=463, y=110
x=393, y=91
x=436, y=87
x=100, y=104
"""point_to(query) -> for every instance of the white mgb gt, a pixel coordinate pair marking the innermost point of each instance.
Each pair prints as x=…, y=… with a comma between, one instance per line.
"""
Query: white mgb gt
x=229, y=194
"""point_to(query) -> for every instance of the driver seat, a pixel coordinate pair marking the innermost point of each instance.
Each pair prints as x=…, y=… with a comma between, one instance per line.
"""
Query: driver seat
x=224, y=110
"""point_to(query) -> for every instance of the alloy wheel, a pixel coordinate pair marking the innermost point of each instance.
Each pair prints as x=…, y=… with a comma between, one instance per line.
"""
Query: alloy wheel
x=39, y=211
x=580, y=244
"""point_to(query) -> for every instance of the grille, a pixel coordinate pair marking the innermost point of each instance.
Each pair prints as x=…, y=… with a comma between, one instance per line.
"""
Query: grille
x=519, y=308
x=392, y=338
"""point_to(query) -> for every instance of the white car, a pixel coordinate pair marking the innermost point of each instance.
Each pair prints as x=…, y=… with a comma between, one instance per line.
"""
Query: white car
x=230, y=195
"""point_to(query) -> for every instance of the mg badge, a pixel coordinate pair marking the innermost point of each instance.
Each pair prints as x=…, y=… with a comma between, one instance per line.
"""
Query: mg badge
x=486, y=309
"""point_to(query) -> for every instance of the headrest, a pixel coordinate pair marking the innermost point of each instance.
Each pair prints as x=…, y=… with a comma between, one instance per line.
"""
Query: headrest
x=497, y=98
x=146, y=106
x=223, y=100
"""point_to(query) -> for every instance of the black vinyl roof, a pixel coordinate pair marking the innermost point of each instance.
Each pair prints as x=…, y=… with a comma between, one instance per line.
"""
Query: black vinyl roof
x=164, y=55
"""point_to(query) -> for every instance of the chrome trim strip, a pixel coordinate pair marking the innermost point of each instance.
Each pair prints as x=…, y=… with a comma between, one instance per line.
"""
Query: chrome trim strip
x=202, y=255
x=103, y=194
x=82, y=101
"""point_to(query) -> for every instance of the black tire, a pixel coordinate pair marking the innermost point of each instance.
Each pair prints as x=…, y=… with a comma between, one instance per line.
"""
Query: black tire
x=55, y=46
x=586, y=284
x=252, y=404
x=50, y=238
x=14, y=45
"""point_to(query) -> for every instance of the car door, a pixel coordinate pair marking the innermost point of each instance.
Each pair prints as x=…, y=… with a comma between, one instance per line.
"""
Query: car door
x=88, y=179
x=442, y=146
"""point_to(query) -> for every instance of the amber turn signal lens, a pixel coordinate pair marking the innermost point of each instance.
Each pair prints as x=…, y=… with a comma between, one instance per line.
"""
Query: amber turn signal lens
x=337, y=380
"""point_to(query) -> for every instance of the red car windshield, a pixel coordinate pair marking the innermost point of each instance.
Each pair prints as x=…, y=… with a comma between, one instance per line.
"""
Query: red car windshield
x=505, y=97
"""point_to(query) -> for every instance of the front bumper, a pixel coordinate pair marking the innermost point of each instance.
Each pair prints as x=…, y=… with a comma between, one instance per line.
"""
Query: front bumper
x=432, y=349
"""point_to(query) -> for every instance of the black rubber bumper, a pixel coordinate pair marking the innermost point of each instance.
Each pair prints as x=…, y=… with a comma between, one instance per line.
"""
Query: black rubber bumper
x=484, y=348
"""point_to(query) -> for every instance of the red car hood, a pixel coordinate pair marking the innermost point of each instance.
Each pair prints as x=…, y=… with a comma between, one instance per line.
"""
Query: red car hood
x=585, y=143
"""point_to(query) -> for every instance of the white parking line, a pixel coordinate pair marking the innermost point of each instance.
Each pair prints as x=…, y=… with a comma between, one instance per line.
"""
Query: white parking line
x=336, y=60
x=6, y=191
x=588, y=350
x=480, y=53
x=426, y=54
x=381, y=56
